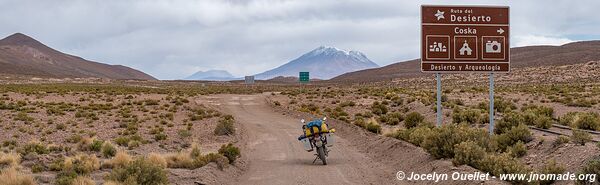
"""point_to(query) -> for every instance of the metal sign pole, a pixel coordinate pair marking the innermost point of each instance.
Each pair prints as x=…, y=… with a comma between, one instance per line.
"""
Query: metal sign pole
x=491, y=103
x=439, y=99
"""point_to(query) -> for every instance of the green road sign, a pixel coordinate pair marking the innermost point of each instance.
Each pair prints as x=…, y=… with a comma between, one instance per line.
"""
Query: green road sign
x=304, y=77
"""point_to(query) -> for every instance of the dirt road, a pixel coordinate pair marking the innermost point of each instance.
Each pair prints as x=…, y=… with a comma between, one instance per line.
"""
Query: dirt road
x=275, y=155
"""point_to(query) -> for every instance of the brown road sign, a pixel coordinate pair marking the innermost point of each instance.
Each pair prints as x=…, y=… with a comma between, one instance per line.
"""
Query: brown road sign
x=465, y=39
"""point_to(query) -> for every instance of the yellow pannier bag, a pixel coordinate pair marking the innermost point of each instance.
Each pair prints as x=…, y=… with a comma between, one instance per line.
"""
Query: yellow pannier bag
x=315, y=128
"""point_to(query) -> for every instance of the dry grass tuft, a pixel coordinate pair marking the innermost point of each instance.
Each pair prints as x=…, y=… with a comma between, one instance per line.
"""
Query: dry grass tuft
x=157, y=159
x=11, y=176
x=82, y=163
x=9, y=159
x=179, y=160
x=83, y=180
x=121, y=159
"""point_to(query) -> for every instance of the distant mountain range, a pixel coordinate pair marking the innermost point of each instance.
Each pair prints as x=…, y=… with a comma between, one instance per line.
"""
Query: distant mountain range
x=528, y=56
x=212, y=75
x=322, y=63
x=23, y=55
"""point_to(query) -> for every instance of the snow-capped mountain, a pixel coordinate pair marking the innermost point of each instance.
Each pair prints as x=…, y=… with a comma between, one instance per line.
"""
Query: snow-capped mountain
x=213, y=75
x=322, y=63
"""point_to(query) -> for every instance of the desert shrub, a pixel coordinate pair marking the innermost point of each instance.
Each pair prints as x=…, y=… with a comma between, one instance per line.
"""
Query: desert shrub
x=551, y=167
x=591, y=167
x=348, y=104
x=180, y=160
x=470, y=116
x=129, y=141
x=310, y=108
x=469, y=153
x=544, y=122
x=36, y=168
x=96, y=145
x=141, y=171
x=337, y=113
x=398, y=134
x=221, y=161
x=65, y=177
x=413, y=119
x=158, y=137
x=83, y=180
x=560, y=140
x=230, y=151
x=225, y=126
x=10, y=144
x=580, y=137
x=417, y=135
x=135, y=143
x=72, y=167
x=121, y=159
x=23, y=116
x=359, y=121
x=60, y=126
x=108, y=149
x=514, y=135
x=440, y=141
x=581, y=120
x=82, y=164
x=195, y=150
x=57, y=164
x=378, y=108
x=33, y=147
x=539, y=110
x=502, y=164
x=157, y=159
x=373, y=126
x=517, y=150
x=75, y=138
x=193, y=159
x=392, y=118
x=9, y=160
x=122, y=140
x=12, y=176
x=588, y=121
x=90, y=144
x=184, y=133
x=508, y=121
x=502, y=105
x=211, y=157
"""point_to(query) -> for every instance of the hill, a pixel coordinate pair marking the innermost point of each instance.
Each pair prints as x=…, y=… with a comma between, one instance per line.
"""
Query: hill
x=23, y=55
x=528, y=56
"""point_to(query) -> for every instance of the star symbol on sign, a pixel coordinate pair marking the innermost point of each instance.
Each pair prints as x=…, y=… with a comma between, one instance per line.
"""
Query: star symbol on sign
x=439, y=15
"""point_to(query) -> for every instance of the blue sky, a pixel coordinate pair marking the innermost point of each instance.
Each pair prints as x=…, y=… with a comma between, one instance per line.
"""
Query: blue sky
x=173, y=39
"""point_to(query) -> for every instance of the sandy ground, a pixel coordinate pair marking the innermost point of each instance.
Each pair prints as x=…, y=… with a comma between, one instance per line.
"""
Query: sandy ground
x=275, y=156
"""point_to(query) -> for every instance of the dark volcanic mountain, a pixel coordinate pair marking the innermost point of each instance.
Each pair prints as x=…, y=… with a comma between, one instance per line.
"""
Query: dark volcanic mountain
x=528, y=56
x=23, y=55
x=322, y=63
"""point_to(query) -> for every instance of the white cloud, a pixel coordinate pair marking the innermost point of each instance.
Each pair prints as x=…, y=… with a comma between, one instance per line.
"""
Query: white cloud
x=172, y=39
x=530, y=40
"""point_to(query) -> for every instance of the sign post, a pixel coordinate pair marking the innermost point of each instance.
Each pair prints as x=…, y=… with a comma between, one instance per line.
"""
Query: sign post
x=439, y=99
x=304, y=77
x=491, y=103
x=465, y=39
